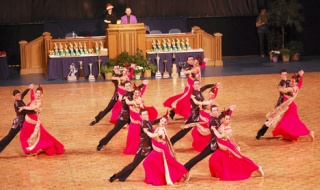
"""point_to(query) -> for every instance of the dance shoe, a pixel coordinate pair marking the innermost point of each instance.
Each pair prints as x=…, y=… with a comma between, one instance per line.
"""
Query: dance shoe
x=261, y=171
x=312, y=135
x=99, y=147
x=112, y=178
x=187, y=177
x=92, y=123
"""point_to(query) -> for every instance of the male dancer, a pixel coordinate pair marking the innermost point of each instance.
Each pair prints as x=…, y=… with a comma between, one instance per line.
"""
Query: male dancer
x=212, y=146
x=283, y=83
x=145, y=146
x=124, y=116
x=197, y=100
x=18, y=121
x=114, y=98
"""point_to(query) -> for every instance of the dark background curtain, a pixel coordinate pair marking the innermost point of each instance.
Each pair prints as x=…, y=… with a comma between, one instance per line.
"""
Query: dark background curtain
x=235, y=19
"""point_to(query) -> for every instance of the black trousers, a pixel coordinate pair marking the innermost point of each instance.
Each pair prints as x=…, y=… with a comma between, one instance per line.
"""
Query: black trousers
x=117, y=127
x=109, y=107
x=126, y=171
x=262, y=42
x=7, y=139
x=181, y=133
x=202, y=155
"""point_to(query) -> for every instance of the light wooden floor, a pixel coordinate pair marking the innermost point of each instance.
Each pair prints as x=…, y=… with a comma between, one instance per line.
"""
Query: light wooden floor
x=69, y=108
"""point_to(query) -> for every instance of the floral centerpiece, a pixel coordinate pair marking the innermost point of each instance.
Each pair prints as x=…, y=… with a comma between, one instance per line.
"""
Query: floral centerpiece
x=138, y=71
x=275, y=55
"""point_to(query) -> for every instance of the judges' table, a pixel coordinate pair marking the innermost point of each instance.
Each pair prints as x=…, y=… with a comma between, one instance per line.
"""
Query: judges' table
x=59, y=67
x=4, y=71
x=173, y=57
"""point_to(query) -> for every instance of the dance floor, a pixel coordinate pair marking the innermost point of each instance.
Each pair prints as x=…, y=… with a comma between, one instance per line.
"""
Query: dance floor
x=69, y=108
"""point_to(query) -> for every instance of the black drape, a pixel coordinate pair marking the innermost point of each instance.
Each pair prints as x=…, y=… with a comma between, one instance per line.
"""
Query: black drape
x=35, y=11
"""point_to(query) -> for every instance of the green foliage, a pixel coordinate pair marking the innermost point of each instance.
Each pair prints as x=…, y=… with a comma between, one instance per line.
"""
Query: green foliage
x=106, y=69
x=285, y=51
x=149, y=66
x=295, y=46
x=283, y=13
x=274, y=40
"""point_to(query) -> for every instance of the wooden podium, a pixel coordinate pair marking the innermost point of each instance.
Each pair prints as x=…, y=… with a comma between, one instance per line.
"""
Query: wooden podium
x=126, y=37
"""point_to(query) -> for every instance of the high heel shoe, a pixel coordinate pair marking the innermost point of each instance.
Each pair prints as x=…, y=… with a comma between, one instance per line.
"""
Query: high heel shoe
x=261, y=171
x=312, y=135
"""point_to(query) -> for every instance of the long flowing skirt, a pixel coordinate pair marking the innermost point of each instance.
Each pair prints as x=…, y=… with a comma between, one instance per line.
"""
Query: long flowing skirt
x=200, y=141
x=34, y=138
x=133, y=136
x=180, y=103
x=229, y=164
x=155, y=167
x=290, y=126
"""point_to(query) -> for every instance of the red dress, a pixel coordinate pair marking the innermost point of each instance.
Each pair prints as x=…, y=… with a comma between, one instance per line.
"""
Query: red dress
x=133, y=136
x=290, y=126
x=33, y=136
x=227, y=163
x=200, y=141
x=160, y=166
x=180, y=103
x=117, y=107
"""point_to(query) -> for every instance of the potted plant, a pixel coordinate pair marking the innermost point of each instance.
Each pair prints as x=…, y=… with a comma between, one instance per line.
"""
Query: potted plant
x=107, y=72
x=148, y=68
x=284, y=14
x=295, y=48
x=275, y=55
x=285, y=53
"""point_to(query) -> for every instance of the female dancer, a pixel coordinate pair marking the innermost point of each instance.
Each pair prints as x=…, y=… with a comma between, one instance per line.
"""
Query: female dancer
x=160, y=166
x=126, y=76
x=200, y=139
x=33, y=136
x=180, y=103
x=285, y=117
x=227, y=163
x=133, y=136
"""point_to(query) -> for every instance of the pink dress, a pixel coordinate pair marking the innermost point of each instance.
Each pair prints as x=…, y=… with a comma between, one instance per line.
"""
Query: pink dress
x=290, y=126
x=227, y=163
x=133, y=136
x=200, y=141
x=160, y=166
x=117, y=107
x=33, y=136
x=180, y=103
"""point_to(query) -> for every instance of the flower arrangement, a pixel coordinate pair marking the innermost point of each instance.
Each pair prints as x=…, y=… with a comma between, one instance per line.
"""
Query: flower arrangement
x=138, y=70
x=275, y=53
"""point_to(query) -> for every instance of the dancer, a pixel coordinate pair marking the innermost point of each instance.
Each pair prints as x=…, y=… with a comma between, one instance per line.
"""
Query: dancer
x=145, y=147
x=285, y=117
x=227, y=163
x=212, y=146
x=197, y=101
x=123, y=117
x=33, y=136
x=114, y=99
x=18, y=121
x=136, y=105
x=200, y=140
x=161, y=166
x=127, y=73
x=283, y=83
x=180, y=104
